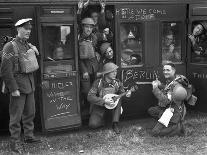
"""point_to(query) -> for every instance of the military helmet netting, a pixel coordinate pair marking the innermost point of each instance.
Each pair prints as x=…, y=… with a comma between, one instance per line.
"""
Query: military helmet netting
x=179, y=93
x=109, y=67
x=88, y=21
x=104, y=47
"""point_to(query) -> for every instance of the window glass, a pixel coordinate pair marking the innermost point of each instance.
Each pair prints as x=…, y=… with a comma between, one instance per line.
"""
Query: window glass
x=131, y=44
x=58, y=42
x=171, y=42
x=198, y=39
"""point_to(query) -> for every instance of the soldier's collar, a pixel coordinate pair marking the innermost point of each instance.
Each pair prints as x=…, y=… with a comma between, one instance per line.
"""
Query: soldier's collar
x=21, y=40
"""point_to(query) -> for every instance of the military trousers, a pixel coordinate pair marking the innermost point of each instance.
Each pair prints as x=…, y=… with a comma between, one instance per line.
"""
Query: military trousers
x=98, y=113
x=21, y=108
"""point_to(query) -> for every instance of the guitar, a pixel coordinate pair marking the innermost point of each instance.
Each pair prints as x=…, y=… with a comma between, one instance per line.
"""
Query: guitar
x=114, y=98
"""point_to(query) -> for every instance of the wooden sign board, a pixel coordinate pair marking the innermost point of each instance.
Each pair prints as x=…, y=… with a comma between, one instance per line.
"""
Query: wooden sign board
x=60, y=103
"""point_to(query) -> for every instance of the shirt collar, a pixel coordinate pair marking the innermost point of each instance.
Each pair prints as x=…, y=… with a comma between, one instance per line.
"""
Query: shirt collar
x=21, y=40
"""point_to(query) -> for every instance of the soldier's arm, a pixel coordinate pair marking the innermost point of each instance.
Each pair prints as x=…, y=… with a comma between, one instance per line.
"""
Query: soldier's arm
x=92, y=95
x=162, y=98
x=7, y=68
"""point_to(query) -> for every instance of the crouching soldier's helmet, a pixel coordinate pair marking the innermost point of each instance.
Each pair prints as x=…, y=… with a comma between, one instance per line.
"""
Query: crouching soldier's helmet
x=88, y=21
x=109, y=67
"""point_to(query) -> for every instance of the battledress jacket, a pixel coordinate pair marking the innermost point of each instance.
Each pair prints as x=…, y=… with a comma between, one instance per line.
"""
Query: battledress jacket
x=163, y=101
x=14, y=79
x=95, y=95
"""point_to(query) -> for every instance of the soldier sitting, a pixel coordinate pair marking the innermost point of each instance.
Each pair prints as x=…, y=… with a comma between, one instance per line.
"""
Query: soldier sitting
x=171, y=98
x=108, y=84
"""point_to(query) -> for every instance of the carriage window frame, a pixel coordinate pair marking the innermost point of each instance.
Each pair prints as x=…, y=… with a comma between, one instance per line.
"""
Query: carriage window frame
x=182, y=39
x=142, y=30
x=71, y=24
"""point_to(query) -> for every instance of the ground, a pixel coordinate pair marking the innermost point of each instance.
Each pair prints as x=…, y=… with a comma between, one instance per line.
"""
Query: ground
x=134, y=139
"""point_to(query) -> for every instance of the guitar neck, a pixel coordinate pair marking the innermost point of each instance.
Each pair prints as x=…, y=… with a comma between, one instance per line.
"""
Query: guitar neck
x=123, y=94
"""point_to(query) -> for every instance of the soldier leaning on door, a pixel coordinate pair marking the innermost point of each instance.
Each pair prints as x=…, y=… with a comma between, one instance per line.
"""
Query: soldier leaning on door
x=20, y=86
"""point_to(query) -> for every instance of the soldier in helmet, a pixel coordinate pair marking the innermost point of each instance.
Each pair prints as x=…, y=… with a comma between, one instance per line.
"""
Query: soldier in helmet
x=108, y=84
x=169, y=101
x=88, y=56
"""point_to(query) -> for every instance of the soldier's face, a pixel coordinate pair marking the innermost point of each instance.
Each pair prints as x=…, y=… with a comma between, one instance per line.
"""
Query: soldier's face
x=109, y=53
x=198, y=29
x=112, y=75
x=94, y=15
x=87, y=29
x=168, y=71
x=24, y=31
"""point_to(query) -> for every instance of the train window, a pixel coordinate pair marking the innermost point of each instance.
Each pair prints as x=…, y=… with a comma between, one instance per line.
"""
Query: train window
x=4, y=31
x=131, y=44
x=171, y=42
x=58, y=42
x=198, y=38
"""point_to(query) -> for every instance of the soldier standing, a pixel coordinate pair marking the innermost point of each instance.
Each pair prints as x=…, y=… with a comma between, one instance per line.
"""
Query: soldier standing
x=20, y=86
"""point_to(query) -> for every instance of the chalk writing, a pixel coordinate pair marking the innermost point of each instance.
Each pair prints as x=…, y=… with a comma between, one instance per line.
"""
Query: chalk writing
x=132, y=76
x=59, y=97
x=140, y=13
x=200, y=75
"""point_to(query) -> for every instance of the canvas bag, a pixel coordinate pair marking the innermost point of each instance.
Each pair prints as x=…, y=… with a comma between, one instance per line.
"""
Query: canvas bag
x=86, y=49
x=28, y=61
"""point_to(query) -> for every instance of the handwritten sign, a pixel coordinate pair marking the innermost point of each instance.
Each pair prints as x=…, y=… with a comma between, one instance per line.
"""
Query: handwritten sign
x=60, y=102
x=199, y=75
x=131, y=76
x=149, y=12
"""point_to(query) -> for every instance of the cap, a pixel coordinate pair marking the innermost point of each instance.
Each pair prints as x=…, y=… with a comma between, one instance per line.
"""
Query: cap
x=22, y=21
x=109, y=67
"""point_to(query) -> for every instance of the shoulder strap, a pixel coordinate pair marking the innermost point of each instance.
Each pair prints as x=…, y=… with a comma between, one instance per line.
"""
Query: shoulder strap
x=15, y=47
x=16, y=54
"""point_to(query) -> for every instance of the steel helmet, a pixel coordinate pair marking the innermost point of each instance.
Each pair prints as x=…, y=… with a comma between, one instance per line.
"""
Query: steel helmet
x=109, y=67
x=179, y=93
x=88, y=21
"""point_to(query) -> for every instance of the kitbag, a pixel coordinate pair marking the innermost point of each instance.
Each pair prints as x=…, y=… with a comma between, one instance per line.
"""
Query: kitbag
x=27, y=61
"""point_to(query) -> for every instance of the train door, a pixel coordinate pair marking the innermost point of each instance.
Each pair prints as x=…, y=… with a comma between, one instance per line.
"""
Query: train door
x=59, y=68
x=197, y=53
x=147, y=36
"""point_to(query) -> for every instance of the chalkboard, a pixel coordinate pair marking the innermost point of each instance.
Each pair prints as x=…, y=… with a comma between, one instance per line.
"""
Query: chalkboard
x=60, y=106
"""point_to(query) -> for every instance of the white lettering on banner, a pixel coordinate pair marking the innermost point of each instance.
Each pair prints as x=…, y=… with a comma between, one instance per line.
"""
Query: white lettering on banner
x=200, y=75
x=57, y=11
x=140, y=13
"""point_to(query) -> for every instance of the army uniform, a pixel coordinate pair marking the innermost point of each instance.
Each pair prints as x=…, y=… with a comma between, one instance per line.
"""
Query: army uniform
x=21, y=107
x=95, y=97
x=89, y=63
x=175, y=126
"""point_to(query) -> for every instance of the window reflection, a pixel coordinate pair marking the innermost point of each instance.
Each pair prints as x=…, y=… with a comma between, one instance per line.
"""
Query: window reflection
x=198, y=39
x=131, y=44
x=58, y=42
x=171, y=42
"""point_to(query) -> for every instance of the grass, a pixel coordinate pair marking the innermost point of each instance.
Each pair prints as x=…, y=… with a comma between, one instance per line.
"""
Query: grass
x=134, y=139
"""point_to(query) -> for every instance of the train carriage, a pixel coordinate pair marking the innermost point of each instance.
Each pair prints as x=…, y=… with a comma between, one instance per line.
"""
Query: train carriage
x=144, y=33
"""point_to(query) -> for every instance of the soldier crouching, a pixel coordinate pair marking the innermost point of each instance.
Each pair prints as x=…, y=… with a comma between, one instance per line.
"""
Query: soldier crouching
x=171, y=97
x=108, y=84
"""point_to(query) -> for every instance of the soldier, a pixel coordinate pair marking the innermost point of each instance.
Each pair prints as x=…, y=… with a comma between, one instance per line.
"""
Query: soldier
x=88, y=57
x=20, y=86
x=108, y=84
x=168, y=98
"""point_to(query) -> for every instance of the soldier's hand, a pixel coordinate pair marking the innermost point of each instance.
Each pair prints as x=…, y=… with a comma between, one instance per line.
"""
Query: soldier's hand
x=109, y=103
x=102, y=4
x=86, y=3
x=85, y=76
x=80, y=4
x=15, y=93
